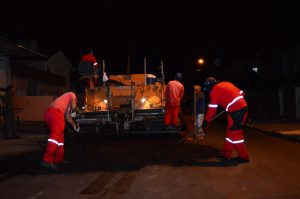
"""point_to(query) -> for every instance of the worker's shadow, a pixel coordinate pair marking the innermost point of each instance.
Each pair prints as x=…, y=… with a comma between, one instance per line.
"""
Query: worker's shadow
x=193, y=153
x=211, y=162
x=111, y=154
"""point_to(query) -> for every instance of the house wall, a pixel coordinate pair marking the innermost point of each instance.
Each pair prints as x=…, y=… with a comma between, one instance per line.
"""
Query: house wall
x=48, y=89
x=31, y=108
x=21, y=88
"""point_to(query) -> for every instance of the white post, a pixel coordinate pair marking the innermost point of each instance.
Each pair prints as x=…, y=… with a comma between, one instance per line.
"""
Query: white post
x=162, y=71
x=163, y=81
x=103, y=63
x=145, y=71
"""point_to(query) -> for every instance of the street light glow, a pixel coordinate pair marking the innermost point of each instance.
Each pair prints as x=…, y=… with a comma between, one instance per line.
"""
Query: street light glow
x=255, y=69
x=201, y=61
x=200, y=64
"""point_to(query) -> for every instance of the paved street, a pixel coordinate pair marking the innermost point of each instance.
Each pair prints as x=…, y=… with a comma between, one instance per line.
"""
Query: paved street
x=129, y=167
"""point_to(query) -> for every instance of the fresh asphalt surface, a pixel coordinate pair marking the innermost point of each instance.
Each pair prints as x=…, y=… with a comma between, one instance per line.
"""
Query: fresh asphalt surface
x=129, y=167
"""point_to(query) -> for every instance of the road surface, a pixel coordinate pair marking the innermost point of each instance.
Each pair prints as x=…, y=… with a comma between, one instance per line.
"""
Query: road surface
x=129, y=167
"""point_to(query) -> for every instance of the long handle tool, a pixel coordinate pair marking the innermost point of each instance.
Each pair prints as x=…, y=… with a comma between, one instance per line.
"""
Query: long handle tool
x=161, y=154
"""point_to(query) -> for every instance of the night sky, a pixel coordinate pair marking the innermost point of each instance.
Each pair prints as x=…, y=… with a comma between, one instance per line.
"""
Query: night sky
x=177, y=33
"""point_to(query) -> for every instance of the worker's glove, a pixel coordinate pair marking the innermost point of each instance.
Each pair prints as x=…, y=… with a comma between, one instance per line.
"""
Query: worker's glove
x=73, y=114
x=204, y=124
x=76, y=128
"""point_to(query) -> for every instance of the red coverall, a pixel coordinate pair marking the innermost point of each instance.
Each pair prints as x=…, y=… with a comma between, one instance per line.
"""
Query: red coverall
x=54, y=116
x=173, y=94
x=231, y=98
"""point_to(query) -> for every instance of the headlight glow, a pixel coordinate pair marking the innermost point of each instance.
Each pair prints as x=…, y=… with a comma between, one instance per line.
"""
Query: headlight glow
x=143, y=100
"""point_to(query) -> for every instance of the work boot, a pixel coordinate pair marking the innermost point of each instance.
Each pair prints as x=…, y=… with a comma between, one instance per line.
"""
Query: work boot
x=49, y=166
x=178, y=128
x=221, y=156
x=169, y=127
x=227, y=162
x=199, y=130
x=200, y=136
x=239, y=160
x=224, y=161
x=65, y=162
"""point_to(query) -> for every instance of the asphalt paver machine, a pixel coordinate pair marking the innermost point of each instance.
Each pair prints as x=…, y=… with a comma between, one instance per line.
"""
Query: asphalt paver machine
x=132, y=103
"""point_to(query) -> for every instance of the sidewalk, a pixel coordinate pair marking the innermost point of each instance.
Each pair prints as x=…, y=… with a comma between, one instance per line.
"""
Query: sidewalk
x=17, y=147
x=285, y=129
x=33, y=137
x=19, y=154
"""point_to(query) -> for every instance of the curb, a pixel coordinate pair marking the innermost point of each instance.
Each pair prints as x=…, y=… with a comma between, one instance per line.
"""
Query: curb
x=295, y=138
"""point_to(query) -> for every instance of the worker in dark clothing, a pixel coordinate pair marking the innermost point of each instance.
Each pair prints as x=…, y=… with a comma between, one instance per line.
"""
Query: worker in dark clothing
x=90, y=57
x=6, y=103
x=200, y=105
x=231, y=98
x=91, y=76
x=88, y=66
x=8, y=115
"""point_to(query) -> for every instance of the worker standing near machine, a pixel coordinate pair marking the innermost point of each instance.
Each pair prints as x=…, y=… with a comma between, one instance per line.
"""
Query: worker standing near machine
x=200, y=106
x=61, y=109
x=231, y=98
x=173, y=95
x=88, y=63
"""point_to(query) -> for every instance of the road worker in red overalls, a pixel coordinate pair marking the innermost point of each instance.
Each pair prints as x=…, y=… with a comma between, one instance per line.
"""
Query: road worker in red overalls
x=231, y=98
x=173, y=95
x=61, y=109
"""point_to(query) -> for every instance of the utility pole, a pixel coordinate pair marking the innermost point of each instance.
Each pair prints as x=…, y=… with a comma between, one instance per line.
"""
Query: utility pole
x=162, y=71
x=128, y=64
x=145, y=70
